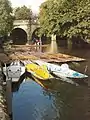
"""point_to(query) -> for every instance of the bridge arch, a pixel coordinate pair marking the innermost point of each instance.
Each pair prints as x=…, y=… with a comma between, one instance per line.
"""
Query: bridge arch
x=19, y=36
x=35, y=33
x=44, y=38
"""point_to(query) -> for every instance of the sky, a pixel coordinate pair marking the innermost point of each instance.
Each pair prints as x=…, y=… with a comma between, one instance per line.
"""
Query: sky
x=33, y=3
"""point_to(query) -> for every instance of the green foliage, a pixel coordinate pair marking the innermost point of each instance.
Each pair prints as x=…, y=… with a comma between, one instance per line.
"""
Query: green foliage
x=22, y=13
x=6, y=19
x=66, y=18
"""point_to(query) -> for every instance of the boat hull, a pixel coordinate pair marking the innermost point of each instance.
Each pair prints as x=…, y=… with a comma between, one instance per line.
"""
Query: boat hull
x=39, y=72
x=14, y=71
x=62, y=71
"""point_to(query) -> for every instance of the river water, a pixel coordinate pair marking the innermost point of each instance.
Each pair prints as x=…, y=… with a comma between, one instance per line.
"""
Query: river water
x=58, y=100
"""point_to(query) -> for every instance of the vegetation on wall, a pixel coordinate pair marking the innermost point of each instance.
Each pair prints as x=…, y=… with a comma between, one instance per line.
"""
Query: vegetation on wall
x=25, y=13
x=22, y=13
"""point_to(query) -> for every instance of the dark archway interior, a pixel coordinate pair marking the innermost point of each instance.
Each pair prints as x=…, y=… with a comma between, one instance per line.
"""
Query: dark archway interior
x=19, y=36
x=44, y=38
x=35, y=34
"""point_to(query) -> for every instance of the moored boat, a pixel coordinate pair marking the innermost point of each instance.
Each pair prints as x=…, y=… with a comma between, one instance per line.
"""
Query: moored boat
x=40, y=72
x=62, y=71
x=15, y=70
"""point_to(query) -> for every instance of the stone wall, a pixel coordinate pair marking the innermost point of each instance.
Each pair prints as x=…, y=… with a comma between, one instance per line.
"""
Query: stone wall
x=3, y=108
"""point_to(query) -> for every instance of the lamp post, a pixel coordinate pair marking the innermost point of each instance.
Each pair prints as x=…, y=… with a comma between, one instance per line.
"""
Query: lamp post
x=30, y=23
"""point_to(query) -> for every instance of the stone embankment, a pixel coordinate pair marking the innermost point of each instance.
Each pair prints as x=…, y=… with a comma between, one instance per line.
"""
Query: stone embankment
x=3, y=103
x=3, y=107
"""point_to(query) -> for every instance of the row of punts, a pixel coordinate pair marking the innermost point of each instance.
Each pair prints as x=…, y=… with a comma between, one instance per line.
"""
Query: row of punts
x=41, y=70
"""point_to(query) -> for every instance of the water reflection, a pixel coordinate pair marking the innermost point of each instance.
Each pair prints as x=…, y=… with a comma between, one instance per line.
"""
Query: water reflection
x=31, y=101
x=53, y=47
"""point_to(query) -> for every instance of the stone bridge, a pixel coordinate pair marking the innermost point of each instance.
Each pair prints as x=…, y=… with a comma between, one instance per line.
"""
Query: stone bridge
x=23, y=31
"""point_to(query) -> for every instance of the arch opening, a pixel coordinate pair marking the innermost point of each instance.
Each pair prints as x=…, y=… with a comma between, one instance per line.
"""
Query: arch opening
x=35, y=33
x=18, y=36
x=44, y=38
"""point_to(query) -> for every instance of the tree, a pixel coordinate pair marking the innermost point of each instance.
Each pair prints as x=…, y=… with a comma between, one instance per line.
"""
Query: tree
x=66, y=18
x=6, y=18
x=82, y=18
x=22, y=13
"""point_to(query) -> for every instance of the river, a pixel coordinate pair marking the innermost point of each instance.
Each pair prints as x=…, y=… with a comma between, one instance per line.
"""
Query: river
x=58, y=100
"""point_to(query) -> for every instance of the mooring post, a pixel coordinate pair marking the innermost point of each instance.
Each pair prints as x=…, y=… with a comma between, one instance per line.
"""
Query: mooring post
x=40, y=45
x=9, y=95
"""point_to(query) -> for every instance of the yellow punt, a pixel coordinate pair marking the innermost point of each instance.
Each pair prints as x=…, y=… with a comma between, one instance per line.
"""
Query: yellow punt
x=39, y=72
